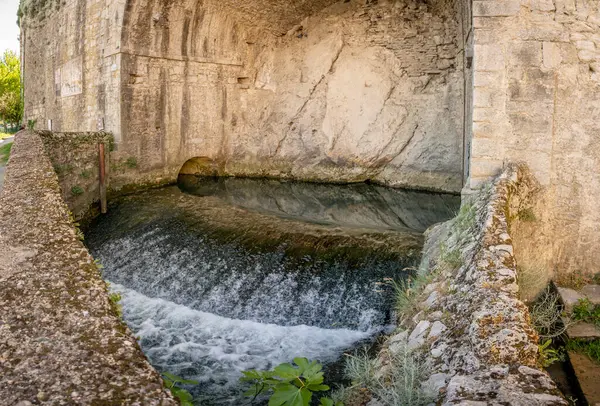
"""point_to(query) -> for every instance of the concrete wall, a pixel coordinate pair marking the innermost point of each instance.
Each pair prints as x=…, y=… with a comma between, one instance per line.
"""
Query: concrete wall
x=537, y=99
x=319, y=91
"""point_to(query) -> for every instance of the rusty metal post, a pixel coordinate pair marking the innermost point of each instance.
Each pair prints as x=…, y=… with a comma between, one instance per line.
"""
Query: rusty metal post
x=102, y=178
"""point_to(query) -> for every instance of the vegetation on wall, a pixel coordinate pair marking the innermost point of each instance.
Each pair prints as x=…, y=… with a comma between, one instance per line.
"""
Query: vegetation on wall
x=11, y=106
x=36, y=9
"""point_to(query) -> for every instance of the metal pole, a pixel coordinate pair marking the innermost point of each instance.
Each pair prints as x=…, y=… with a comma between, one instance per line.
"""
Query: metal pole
x=102, y=178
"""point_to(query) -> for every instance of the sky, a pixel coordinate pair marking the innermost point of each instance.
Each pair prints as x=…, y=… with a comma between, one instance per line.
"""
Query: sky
x=9, y=31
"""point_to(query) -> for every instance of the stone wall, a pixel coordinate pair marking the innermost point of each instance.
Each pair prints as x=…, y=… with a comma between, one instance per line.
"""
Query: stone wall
x=61, y=339
x=75, y=158
x=319, y=91
x=469, y=325
x=537, y=99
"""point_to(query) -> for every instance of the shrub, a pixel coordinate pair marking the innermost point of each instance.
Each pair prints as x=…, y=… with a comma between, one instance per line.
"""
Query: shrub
x=547, y=315
x=360, y=369
x=403, y=385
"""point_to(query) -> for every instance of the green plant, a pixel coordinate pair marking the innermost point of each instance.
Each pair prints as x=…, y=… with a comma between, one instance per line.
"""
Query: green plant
x=587, y=347
x=465, y=219
x=171, y=383
x=407, y=292
x=131, y=162
x=547, y=355
x=547, y=315
x=403, y=384
x=115, y=298
x=31, y=124
x=360, y=368
x=76, y=190
x=586, y=311
x=85, y=174
x=449, y=259
x=290, y=385
x=526, y=214
x=5, y=152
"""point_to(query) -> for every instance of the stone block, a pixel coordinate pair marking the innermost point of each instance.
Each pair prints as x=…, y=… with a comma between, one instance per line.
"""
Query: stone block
x=592, y=292
x=498, y=8
x=485, y=168
x=542, y=5
x=486, y=148
x=489, y=57
x=551, y=55
x=488, y=79
x=583, y=330
x=569, y=297
x=482, y=97
x=525, y=53
x=487, y=130
x=587, y=55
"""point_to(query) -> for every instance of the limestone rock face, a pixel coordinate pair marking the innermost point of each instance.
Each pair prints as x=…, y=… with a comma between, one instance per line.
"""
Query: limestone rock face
x=320, y=91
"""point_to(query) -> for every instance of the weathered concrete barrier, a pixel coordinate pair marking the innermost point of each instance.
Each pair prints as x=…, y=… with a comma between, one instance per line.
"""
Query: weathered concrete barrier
x=61, y=339
x=468, y=323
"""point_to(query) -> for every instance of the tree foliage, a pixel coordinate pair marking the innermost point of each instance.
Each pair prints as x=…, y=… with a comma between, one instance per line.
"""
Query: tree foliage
x=11, y=107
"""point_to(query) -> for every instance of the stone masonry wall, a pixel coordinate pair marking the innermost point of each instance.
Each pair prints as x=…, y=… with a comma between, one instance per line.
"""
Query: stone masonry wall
x=469, y=324
x=537, y=100
x=356, y=91
x=75, y=158
x=333, y=92
x=61, y=339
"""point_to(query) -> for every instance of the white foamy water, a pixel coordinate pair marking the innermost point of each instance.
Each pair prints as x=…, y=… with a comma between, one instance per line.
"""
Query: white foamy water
x=214, y=349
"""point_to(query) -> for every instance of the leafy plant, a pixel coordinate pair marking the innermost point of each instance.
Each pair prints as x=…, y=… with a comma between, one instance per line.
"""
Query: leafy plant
x=31, y=124
x=76, y=190
x=290, y=385
x=589, y=348
x=85, y=174
x=115, y=298
x=547, y=355
x=586, y=311
x=172, y=383
x=131, y=162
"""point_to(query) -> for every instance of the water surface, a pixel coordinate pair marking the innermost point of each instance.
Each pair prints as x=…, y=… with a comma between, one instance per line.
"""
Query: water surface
x=219, y=276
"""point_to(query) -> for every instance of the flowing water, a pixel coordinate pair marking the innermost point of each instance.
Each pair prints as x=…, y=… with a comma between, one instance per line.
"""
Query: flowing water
x=219, y=276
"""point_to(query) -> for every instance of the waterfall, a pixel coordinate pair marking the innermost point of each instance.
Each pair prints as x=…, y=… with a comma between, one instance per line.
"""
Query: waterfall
x=208, y=304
